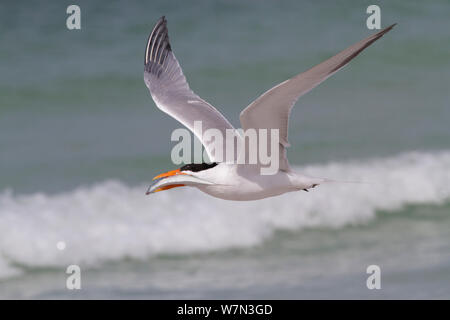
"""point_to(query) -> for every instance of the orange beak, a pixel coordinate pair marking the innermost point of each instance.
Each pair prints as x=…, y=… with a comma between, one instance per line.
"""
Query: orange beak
x=168, y=187
x=167, y=174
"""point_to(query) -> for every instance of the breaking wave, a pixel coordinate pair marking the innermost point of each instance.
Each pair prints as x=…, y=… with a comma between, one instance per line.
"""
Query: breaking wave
x=113, y=221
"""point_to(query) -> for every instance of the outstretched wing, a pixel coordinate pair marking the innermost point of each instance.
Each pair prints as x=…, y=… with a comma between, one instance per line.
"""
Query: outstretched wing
x=171, y=93
x=272, y=109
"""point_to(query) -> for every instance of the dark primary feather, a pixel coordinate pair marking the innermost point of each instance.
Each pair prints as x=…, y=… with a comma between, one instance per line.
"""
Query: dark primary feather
x=374, y=38
x=158, y=48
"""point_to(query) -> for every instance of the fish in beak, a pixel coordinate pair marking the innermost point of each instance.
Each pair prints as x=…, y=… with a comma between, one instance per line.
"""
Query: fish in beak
x=174, y=179
x=158, y=178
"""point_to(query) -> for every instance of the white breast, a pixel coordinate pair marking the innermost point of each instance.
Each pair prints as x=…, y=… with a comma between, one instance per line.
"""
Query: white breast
x=244, y=182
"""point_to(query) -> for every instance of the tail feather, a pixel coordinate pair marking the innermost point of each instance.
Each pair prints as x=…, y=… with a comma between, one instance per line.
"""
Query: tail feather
x=326, y=180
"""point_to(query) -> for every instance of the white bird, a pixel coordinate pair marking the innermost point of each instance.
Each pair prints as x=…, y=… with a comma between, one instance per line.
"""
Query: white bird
x=231, y=181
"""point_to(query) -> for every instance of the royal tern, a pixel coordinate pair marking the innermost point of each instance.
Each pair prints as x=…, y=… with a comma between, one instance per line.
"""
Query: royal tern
x=232, y=181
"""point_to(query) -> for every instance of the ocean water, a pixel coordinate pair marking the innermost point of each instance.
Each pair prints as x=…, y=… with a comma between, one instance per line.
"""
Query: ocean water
x=80, y=140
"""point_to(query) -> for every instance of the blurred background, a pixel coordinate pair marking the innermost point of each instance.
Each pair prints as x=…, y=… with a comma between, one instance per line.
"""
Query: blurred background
x=80, y=140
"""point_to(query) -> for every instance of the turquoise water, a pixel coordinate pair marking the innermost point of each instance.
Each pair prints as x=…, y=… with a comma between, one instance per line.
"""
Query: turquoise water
x=81, y=139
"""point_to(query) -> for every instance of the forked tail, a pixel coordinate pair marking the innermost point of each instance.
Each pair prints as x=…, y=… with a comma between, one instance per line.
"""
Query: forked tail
x=326, y=180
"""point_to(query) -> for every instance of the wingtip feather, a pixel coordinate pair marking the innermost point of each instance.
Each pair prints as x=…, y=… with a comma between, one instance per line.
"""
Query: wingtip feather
x=157, y=43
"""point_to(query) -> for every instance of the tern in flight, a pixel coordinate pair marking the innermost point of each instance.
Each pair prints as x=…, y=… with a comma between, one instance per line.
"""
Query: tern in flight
x=229, y=180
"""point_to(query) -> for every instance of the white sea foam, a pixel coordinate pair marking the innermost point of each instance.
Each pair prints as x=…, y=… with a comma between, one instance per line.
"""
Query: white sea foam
x=111, y=221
